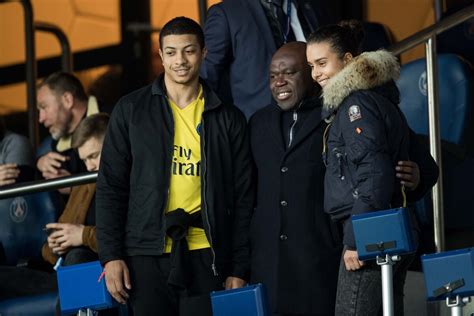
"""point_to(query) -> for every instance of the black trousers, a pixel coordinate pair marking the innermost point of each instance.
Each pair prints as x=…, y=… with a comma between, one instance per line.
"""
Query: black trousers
x=151, y=294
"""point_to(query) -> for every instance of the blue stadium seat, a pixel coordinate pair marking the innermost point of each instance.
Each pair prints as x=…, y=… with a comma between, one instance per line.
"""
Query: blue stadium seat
x=456, y=99
x=21, y=225
x=455, y=96
x=21, y=237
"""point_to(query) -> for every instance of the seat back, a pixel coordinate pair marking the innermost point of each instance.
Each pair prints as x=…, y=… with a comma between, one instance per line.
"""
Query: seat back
x=456, y=99
x=455, y=96
x=22, y=220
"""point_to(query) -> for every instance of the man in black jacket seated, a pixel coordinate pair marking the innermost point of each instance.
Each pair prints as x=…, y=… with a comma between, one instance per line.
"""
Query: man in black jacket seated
x=175, y=192
x=295, y=247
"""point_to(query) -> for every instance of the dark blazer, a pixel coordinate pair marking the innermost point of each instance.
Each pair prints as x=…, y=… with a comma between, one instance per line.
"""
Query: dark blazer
x=240, y=46
x=295, y=248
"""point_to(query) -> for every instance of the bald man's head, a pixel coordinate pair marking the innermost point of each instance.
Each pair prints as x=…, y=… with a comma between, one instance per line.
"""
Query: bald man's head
x=290, y=75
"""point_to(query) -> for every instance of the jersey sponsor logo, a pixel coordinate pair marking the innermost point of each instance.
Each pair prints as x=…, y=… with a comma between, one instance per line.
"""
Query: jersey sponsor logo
x=182, y=165
x=18, y=209
x=354, y=113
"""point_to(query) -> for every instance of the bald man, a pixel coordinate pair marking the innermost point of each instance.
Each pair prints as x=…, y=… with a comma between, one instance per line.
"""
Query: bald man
x=295, y=246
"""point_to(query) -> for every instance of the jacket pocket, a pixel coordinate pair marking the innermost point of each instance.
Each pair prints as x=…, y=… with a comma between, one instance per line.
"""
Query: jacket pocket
x=339, y=187
x=145, y=213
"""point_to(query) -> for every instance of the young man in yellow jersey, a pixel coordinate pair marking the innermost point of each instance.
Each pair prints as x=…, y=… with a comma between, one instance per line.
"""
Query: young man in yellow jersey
x=175, y=190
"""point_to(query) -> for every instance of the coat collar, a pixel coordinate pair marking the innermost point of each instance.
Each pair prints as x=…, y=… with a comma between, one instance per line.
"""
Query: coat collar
x=366, y=71
x=312, y=122
x=212, y=101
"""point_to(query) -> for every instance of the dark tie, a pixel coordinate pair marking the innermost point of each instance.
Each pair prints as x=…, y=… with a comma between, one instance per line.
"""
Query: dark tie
x=284, y=20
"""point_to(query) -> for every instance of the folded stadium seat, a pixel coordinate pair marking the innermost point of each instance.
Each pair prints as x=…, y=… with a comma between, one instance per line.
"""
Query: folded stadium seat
x=456, y=102
x=376, y=36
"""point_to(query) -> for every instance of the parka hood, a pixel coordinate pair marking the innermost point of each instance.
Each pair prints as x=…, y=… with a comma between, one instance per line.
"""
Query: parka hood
x=366, y=71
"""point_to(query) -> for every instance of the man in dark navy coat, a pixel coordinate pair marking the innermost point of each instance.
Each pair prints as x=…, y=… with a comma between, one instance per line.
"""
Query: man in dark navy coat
x=295, y=246
x=241, y=37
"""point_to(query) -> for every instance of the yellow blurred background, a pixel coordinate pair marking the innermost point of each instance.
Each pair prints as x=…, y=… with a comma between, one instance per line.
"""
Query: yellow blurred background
x=91, y=24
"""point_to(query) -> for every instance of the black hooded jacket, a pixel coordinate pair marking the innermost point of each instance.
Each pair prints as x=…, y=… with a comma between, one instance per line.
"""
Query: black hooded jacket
x=367, y=136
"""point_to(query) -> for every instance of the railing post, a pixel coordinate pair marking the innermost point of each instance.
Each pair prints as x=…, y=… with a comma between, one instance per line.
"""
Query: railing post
x=31, y=73
x=66, y=56
x=435, y=143
x=202, y=7
x=439, y=7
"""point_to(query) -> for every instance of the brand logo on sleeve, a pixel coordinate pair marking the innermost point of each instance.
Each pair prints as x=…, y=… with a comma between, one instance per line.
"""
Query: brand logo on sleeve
x=354, y=113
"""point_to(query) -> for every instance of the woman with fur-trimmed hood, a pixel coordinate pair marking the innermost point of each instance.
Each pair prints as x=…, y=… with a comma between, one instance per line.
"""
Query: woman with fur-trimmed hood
x=366, y=137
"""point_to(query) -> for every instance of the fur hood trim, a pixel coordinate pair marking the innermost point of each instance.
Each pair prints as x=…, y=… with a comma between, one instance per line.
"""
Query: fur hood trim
x=366, y=71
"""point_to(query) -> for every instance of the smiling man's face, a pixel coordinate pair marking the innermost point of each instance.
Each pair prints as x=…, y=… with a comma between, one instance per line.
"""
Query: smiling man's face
x=290, y=79
x=182, y=56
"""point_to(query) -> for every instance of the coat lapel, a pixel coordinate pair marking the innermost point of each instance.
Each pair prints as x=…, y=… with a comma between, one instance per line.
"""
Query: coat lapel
x=273, y=124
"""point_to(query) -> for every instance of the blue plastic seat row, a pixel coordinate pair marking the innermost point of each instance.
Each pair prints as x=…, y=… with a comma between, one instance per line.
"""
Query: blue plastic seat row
x=456, y=100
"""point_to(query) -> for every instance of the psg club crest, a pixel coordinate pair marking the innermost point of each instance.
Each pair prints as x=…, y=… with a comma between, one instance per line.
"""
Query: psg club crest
x=422, y=85
x=199, y=128
x=18, y=209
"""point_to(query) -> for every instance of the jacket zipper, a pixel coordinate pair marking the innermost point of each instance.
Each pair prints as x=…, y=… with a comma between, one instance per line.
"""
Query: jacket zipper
x=169, y=180
x=295, y=119
x=340, y=157
x=339, y=163
x=204, y=171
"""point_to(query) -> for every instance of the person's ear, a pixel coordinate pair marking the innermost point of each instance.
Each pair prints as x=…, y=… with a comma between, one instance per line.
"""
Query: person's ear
x=161, y=54
x=204, y=52
x=68, y=100
x=347, y=58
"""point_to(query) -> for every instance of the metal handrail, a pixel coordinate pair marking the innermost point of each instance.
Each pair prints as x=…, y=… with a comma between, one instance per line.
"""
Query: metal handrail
x=428, y=36
x=66, y=56
x=47, y=185
x=31, y=71
x=202, y=6
x=433, y=30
